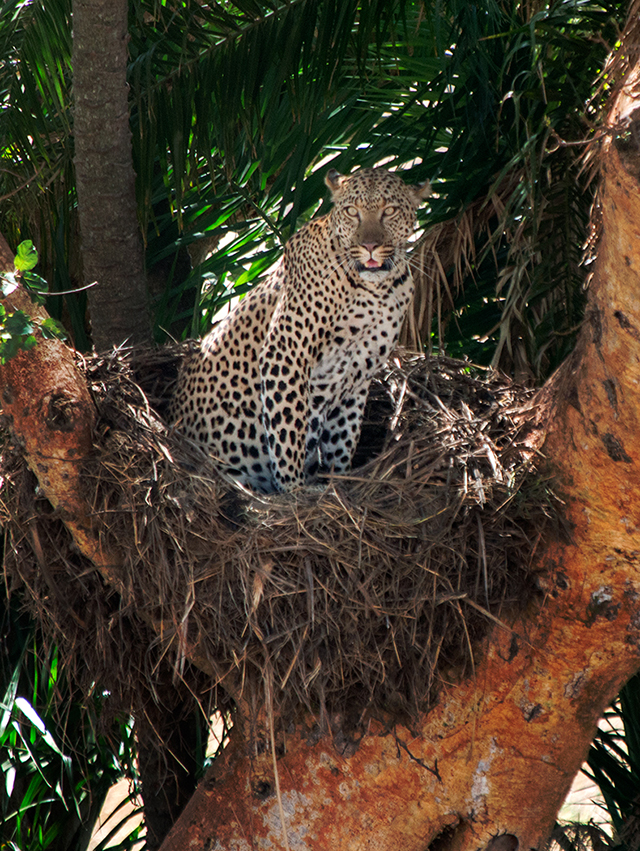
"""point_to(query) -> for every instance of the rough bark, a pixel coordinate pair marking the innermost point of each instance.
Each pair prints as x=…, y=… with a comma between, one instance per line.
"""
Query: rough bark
x=48, y=406
x=498, y=753
x=111, y=244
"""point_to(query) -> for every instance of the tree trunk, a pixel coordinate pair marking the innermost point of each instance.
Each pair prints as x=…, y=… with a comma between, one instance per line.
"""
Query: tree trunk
x=111, y=245
x=496, y=755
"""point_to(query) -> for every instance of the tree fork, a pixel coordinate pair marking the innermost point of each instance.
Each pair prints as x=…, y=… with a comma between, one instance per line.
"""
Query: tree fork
x=496, y=756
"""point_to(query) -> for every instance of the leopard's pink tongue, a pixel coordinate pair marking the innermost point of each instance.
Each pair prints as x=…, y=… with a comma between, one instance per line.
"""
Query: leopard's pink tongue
x=372, y=264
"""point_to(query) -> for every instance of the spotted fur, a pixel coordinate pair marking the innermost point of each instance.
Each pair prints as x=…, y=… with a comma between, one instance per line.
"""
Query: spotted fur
x=277, y=389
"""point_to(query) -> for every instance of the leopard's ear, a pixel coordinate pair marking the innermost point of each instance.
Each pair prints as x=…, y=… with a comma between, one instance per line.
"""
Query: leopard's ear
x=334, y=180
x=421, y=192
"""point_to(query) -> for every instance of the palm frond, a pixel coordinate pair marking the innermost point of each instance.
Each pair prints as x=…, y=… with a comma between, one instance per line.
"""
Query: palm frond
x=503, y=138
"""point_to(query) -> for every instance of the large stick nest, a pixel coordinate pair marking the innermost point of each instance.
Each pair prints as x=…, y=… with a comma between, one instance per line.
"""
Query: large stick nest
x=357, y=599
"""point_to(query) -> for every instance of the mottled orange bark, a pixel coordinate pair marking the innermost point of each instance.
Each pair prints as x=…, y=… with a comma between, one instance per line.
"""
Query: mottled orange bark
x=498, y=752
x=47, y=403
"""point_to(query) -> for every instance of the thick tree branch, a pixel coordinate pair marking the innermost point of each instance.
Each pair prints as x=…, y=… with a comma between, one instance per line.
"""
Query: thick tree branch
x=51, y=412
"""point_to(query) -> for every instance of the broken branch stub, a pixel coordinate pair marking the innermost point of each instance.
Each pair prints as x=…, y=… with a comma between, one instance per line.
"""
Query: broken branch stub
x=48, y=407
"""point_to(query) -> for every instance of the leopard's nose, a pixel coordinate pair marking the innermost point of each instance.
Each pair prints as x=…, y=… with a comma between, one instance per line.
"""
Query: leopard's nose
x=370, y=246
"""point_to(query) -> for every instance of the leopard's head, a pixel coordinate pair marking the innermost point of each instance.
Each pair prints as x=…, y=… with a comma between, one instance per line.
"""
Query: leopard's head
x=373, y=216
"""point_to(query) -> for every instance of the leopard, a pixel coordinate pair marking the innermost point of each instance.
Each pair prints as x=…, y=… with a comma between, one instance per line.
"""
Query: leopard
x=276, y=390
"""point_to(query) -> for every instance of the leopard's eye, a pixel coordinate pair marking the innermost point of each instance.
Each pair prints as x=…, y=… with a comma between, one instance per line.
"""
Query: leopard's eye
x=390, y=211
x=352, y=211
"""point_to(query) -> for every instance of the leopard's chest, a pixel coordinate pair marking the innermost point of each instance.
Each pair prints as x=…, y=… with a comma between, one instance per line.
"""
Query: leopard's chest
x=360, y=339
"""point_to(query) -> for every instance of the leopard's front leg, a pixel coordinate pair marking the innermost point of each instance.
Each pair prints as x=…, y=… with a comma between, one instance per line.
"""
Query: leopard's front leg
x=285, y=403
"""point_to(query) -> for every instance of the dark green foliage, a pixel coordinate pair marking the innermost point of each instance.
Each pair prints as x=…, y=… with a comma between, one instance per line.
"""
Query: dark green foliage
x=56, y=767
x=502, y=125
x=234, y=107
x=614, y=764
x=16, y=335
x=37, y=182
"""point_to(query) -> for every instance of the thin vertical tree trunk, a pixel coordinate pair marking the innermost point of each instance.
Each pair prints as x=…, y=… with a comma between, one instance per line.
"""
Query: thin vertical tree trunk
x=112, y=251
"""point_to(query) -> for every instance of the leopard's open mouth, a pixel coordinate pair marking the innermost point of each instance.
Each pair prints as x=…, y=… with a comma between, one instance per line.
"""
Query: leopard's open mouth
x=373, y=266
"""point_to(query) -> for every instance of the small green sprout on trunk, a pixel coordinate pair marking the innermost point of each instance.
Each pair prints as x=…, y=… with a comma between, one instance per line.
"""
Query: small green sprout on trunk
x=17, y=328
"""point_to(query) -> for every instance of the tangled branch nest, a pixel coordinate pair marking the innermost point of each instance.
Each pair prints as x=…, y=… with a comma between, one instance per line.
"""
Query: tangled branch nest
x=358, y=599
